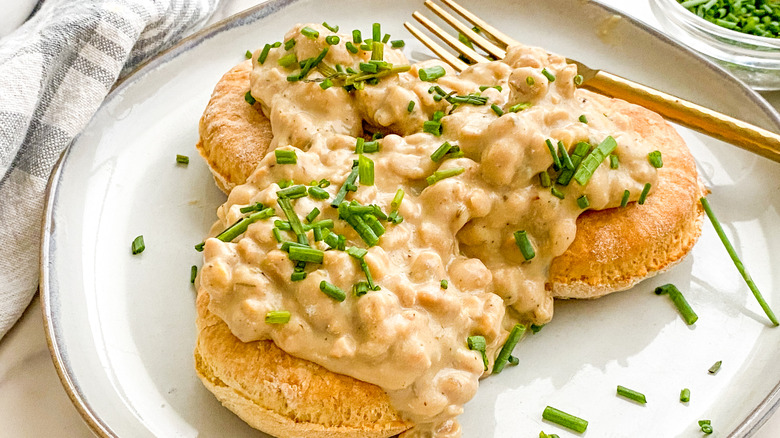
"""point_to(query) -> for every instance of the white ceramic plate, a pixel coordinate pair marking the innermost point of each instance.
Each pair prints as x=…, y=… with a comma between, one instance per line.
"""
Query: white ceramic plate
x=121, y=327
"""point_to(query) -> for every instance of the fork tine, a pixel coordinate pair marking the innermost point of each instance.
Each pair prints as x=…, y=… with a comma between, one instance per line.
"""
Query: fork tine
x=478, y=39
x=468, y=52
x=440, y=51
x=499, y=36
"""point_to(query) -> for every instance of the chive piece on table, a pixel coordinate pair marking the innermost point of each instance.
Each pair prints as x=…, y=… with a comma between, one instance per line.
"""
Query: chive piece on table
x=511, y=341
x=624, y=200
x=715, y=367
x=522, y=242
x=285, y=157
x=655, y=159
x=550, y=77
x=277, y=317
x=332, y=291
x=631, y=394
x=563, y=419
x=248, y=98
x=687, y=313
x=430, y=74
x=193, y=273
x=366, y=170
x=182, y=159
x=685, y=395
x=592, y=161
x=138, y=245
x=583, y=202
x=442, y=174
x=706, y=426
x=737, y=262
x=477, y=343
x=643, y=195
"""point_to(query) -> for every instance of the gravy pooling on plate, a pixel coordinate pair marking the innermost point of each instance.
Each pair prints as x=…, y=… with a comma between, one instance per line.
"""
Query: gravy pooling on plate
x=409, y=336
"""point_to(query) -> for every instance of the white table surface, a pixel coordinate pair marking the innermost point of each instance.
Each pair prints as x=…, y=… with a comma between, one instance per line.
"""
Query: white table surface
x=32, y=400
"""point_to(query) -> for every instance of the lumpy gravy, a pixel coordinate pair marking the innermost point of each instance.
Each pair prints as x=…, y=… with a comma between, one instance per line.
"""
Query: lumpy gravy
x=409, y=337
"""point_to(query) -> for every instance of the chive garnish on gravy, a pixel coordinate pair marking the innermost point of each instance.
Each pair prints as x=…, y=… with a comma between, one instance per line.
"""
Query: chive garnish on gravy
x=556, y=160
x=365, y=170
x=138, y=246
x=356, y=37
x=288, y=60
x=258, y=206
x=631, y=394
x=643, y=195
x=332, y=39
x=444, y=284
x=410, y=107
x=477, y=343
x=614, y=162
x=248, y=54
x=583, y=119
x=557, y=193
x=332, y=291
x=318, y=193
x=289, y=44
x=430, y=74
x=264, y=53
x=496, y=109
x=312, y=214
x=583, y=202
x=285, y=156
x=550, y=77
x=522, y=242
x=399, y=196
x=530, y=81
x=248, y=98
x=302, y=254
x=310, y=33
x=396, y=44
x=592, y=161
x=442, y=174
x=578, y=79
x=295, y=223
x=511, y=341
x=342, y=193
x=277, y=317
x=655, y=159
x=565, y=159
x=563, y=419
x=624, y=200
x=351, y=47
x=329, y=27
x=292, y=192
x=687, y=313
x=544, y=179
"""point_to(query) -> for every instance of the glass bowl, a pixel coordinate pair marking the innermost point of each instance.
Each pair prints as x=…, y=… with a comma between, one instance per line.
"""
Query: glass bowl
x=753, y=59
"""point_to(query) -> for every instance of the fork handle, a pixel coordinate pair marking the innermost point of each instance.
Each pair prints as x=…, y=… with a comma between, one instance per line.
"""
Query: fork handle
x=709, y=122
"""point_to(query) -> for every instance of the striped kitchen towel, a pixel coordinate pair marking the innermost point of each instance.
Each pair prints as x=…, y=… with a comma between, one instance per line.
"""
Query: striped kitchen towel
x=55, y=71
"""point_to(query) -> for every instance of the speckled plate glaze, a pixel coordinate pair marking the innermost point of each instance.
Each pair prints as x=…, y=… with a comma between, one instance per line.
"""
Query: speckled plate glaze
x=121, y=327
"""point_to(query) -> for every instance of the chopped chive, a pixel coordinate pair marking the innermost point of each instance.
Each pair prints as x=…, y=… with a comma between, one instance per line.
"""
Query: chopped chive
x=624, y=201
x=737, y=262
x=432, y=73
x=288, y=60
x=360, y=288
x=544, y=179
x=276, y=44
x=292, y=192
x=687, y=313
x=182, y=159
x=248, y=98
x=631, y=394
x=312, y=215
x=370, y=146
x=193, y=273
x=366, y=170
x=331, y=239
x=356, y=252
x=530, y=81
x=289, y=44
x=410, y=107
x=614, y=162
x=363, y=229
x=258, y=206
x=285, y=157
x=592, y=161
x=715, y=367
x=399, y=196
x=287, y=245
x=685, y=395
x=432, y=127
x=367, y=67
x=395, y=218
x=332, y=39
x=283, y=184
x=563, y=419
x=329, y=27
x=386, y=38
x=397, y=44
x=351, y=47
x=536, y=328
x=359, y=145
x=643, y=195
x=378, y=52
x=306, y=254
x=310, y=33
x=477, y=343
x=556, y=161
x=342, y=242
x=342, y=193
x=277, y=234
x=318, y=193
x=583, y=119
x=238, y=228
x=376, y=34
x=367, y=45
x=282, y=225
x=356, y=37
x=485, y=87
x=438, y=115
x=440, y=152
x=524, y=244
x=332, y=291
x=655, y=159
x=557, y=193
x=277, y=317
x=511, y=341
x=264, y=54
x=295, y=222
x=199, y=247
x=578, y=79
x=550, y=77
x=565, y=158
x=442, y=174
x=327, y=83
x=496, y=109
x=583, y=201
x=519, y=107
x=323, y=183
x=514, y=361
x=248, y=54
x=706, y=426
x=444, y=284
x=369, y=277
x=325, y=223
x=375, y=225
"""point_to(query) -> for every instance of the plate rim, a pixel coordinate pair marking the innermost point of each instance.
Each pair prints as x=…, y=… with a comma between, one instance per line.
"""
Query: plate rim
x=752, y=423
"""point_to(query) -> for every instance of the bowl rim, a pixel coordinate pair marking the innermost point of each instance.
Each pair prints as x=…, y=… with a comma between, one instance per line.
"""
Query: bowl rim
x=691, y=19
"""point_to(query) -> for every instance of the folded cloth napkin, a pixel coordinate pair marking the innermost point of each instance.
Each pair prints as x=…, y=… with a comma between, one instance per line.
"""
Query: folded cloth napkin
x=55, y=71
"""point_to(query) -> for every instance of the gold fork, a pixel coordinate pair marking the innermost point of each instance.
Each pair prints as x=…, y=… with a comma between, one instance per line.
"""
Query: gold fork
x=707, y=121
